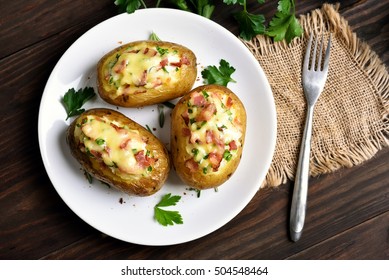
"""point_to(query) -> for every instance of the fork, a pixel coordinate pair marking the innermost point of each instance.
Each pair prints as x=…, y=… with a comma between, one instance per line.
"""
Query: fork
x=314, y=77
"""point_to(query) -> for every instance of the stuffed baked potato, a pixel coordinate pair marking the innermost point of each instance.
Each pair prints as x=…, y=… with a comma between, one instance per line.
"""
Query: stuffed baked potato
x=118, y=151
x=207, y=137
x=145, y=72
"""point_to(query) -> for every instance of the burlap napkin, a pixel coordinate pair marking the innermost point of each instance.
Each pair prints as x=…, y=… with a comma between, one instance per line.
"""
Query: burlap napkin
x=351, y=118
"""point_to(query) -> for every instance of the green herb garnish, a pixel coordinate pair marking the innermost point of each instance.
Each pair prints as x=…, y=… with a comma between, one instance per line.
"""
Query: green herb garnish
x=154, y=37
x=284, y=24
x=249, y=24
x=148, y=128
x=161, y=115
x=162, y=51
x=73, y=100
x=169, y=104
x=129, y=6
x=100, y=141
x=167, y=217
x=227, y=155
x=219, y=76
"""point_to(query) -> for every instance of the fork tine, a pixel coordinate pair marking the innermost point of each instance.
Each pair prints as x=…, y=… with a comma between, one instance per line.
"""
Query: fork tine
x=314, y=56
x=320, y=53
x=327, y=56
x=307, y=53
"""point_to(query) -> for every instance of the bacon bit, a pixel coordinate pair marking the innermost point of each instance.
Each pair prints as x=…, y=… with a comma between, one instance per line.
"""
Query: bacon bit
x=139, y=91
x=132, y=51
x=233, y=145
x=115, y=127
x=149, y=52
x=212, y=137
x=96, y=154
x=107, y=149
x=206, y=113
x=185, y=60
x=143, y=79
x=127, y=89
x=229, y=102
x=176, y=64
x=186, y=132
x=119, y=68
x=97, y=118
x=157, y=82
x=185, y=116
x=124, y=143
x=198, y=99
x=192, y=165
x=144, y=160
x=209, y=135
x=164, y=62
x=215, y=159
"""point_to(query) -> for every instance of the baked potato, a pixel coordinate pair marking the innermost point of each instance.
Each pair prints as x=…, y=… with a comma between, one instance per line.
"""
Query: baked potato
x=207, y=136
x=145, y=72
x=118, y=151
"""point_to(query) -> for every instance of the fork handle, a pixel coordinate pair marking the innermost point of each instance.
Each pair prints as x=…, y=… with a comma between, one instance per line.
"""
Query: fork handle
x=300, y=190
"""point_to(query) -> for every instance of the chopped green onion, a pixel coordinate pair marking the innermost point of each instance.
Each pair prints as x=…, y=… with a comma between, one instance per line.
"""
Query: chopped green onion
x=148, y=128
x=161, y=116
x=227, y=155
x=195, y=151
x=100, y=141
x=154, y=37
x=169, y=104
x=162, y=51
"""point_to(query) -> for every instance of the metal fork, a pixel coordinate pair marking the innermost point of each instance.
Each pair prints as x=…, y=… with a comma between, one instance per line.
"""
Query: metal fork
x=314, y=77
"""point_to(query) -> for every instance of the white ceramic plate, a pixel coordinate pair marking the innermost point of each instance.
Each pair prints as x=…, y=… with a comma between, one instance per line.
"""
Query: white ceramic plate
x=130, y=218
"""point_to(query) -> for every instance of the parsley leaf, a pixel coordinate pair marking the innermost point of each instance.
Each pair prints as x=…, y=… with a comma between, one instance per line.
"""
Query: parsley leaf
x=202, y=7
x=284, y=24
x=167, y=217
x=219, y=76
x=129, y=6
x=249, y=24
x=73, y=100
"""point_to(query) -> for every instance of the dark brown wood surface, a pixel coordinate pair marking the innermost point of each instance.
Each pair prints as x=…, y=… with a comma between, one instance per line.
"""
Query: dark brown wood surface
x=348, y=211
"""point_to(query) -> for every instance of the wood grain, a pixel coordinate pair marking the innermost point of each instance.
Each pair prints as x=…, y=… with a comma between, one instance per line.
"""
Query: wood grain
x=347, y=215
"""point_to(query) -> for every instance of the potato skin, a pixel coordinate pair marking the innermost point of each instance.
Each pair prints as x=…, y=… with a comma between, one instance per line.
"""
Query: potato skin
x=133, y=185
x=160, y=71
x=206, y=155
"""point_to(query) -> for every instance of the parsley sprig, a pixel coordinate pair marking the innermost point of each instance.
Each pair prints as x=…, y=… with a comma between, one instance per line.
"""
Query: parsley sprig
x=167, y=217
x=249, y=24
x=73, y=100
x=283, y=25
x=219, y=76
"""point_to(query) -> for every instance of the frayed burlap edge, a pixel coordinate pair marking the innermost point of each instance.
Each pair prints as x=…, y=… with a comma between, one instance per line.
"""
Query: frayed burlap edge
x=328, y=19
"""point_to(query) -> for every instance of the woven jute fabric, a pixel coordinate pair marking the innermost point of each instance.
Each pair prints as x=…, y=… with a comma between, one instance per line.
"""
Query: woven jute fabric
x=351, y=117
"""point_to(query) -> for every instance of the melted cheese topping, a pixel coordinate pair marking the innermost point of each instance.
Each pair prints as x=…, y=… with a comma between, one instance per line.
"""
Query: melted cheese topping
x=215, y=132
x=141, y=67
x=121, y=149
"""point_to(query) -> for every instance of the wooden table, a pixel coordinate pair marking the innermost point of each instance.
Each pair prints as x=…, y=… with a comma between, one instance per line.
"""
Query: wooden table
x=348, y=211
